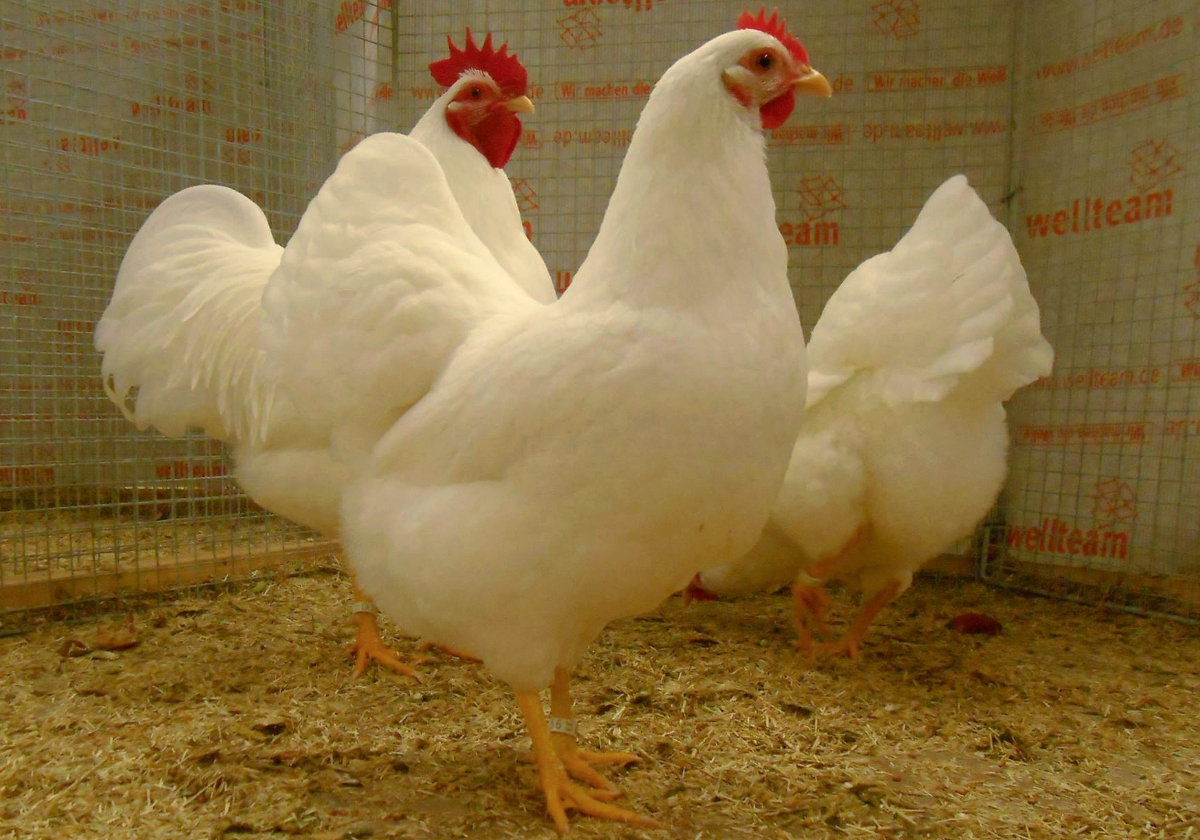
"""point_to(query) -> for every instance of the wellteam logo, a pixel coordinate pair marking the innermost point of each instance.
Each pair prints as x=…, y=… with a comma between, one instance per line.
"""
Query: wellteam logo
x=1093, y=214
x=819, y=196
x=171, y=103
x=15, y=298
x=87, y=145
x=350, y=13
x=1062, y=537
x=813, y=234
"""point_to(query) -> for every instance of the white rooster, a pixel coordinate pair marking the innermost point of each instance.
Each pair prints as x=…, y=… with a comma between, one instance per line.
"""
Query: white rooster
x=181, y=336
x=572, y=462
x=903, y=447
x=472, y=132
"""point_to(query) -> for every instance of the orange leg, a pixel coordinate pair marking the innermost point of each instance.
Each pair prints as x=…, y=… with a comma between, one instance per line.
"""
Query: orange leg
x=368, y=644
x=578, y=763
x=560, y=792
x=826, y=566
x=851, y=643
x=810, y=602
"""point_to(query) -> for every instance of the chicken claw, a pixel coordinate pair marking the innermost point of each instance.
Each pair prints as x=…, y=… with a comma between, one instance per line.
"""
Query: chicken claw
x=578, y=763
x=368, y=645
x=851, y=643
x=560, y=792
x=811, y=602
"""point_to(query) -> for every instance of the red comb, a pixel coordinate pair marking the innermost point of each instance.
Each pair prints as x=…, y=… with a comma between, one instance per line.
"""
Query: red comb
x=775, y=27
x=504, y=68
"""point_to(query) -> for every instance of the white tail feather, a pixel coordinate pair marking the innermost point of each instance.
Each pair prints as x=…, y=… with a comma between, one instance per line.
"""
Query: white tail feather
x=949, y=304
x=180, y=335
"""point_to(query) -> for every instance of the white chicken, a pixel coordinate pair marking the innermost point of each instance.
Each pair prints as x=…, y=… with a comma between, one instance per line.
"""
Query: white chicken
x=472, y=132
x=572, y=462
x=903, y=447
x=181, y=336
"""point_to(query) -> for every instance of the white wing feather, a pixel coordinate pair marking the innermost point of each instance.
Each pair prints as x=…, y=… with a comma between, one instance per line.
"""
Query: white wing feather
x=938, y=306
x=180, y=335
x=374, y=294
x=383, y=252
x=910, y=361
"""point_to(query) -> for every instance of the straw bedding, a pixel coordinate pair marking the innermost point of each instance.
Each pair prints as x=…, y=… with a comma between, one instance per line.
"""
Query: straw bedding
x=235, y=715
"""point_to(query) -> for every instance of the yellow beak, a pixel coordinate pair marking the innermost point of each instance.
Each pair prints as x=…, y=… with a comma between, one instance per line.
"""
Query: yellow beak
x=524, y=105
x=812, y=83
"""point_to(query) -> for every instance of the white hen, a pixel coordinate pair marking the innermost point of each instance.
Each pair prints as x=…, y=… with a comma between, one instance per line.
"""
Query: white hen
x=572, y=462
x=903, y=447
x=181, y=336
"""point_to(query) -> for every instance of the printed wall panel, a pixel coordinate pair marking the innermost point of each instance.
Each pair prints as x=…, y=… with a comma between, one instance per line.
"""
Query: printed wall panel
x=1106, y=461
x=107, y=109
x=1075, y=121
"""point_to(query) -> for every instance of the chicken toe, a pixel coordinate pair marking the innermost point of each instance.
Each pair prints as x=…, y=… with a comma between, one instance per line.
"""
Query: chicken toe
x=851, y=643
x=560, y=792
x=368, y=646
x=579, y=763
x=810, y=603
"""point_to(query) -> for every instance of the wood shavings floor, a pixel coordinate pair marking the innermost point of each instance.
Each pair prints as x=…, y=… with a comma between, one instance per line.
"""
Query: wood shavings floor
x=236, y=716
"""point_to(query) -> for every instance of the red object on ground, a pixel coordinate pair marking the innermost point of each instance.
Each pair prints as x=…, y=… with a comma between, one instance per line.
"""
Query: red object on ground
x=972, y=622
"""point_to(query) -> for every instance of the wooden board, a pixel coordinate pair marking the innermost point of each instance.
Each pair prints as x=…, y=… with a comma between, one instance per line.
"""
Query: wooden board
x=1176, y=595
x=49, y=588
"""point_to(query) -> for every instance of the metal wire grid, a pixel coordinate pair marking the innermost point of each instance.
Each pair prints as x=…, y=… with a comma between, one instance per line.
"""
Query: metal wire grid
x=1103, y=500
x=106, y=111
x=842, y=196
x=924, y=93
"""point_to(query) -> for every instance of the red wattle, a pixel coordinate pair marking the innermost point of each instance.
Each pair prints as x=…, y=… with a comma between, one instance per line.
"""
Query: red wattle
x=498, y=136
x=776, y=112
x=495, y=136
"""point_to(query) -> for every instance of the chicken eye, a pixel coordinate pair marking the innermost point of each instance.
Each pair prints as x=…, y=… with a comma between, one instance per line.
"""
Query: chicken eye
x=476, y=92
x=765, y=61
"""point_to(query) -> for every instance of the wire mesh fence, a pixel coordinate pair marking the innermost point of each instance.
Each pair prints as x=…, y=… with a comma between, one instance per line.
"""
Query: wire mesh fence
x=106, y=111
x=1103, y=502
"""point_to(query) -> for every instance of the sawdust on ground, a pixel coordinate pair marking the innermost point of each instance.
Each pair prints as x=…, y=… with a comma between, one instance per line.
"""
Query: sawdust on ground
x=235, y=715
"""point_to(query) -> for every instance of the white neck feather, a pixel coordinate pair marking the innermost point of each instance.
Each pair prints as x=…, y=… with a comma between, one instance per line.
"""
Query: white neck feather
x=473, y=180
x=485, y=196
x=692, y=216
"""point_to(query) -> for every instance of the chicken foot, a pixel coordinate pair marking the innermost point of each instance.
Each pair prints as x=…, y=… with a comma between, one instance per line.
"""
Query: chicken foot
x=851, y=642
x=560, y=792
x=368, y=643
x=810, y=602
x=578, y=763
